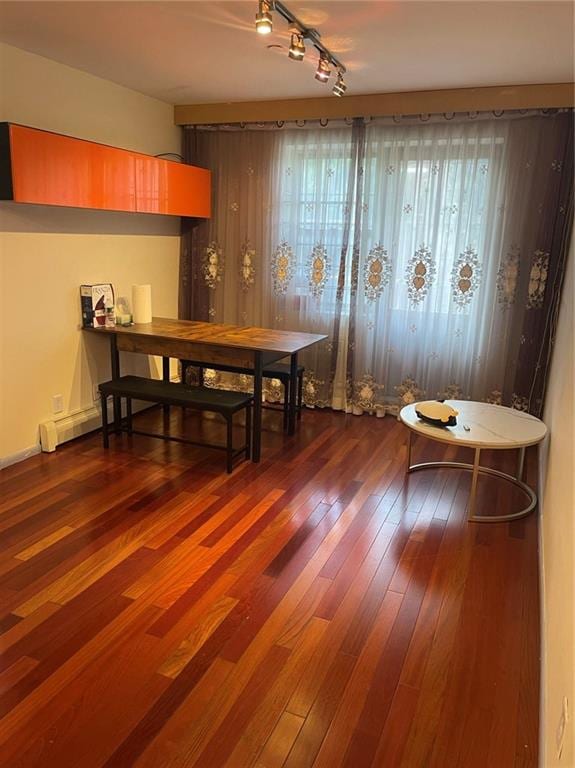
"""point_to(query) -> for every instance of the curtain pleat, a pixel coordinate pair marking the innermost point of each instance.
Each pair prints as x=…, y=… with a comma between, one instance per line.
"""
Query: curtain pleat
x=349, y=259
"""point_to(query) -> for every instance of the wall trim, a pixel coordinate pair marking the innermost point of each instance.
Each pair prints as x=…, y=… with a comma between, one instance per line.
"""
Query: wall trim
x=541, y=476
x=547, y=95
x=14, y=458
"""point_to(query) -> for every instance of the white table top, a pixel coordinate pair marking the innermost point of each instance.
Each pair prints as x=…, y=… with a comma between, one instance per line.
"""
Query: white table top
x=491, y=426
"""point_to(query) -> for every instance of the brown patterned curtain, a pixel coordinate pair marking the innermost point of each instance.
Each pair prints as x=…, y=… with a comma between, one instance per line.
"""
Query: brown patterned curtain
x=547, y=238
x=430, y=250
x=193, y=300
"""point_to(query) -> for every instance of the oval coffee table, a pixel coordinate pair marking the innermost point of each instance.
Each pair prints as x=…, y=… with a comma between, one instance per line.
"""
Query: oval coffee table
x=481, y=425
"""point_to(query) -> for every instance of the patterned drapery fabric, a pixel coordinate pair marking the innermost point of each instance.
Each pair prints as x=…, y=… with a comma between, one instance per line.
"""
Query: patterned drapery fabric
x=431, y=252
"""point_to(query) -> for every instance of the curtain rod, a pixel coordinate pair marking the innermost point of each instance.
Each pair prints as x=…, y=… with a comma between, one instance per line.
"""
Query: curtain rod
x=551, y=95
x=392, y=119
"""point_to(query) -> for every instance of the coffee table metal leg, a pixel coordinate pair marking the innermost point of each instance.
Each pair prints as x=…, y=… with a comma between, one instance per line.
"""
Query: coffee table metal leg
x=520, y=463
x=474, y=478
x=408, y=465
x=477, y=470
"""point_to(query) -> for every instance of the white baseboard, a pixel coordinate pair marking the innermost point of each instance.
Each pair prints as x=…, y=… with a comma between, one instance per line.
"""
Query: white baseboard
x=14, y=458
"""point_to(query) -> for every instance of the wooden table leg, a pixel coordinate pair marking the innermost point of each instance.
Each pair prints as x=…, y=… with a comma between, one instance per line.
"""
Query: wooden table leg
x=292, y=394
x=258, y=384
x=115, y=366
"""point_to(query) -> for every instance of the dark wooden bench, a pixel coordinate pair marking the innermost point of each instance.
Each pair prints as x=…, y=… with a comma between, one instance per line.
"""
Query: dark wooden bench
x=279, y=371
x=166, y=393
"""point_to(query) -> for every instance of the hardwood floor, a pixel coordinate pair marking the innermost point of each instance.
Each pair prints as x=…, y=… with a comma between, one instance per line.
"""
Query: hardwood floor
x=316, y=609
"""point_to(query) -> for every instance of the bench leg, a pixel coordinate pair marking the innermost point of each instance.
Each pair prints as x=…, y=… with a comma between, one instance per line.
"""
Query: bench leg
x=166, y=377
x=200, y=377
x=115, y=367
x=248, y=431
x=129, y=414
x=299, y=394
x=285, y=383
x=184, y=365
x=293, y=393
x=257, y=415
x=104, y=406
x=229, y=445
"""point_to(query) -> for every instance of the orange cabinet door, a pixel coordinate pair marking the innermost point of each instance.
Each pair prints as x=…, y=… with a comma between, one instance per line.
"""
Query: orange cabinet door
x=163, y=186
x=51, y=169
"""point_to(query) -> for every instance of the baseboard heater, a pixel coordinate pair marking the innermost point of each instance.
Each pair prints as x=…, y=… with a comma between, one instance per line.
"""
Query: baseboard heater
x=61, y=429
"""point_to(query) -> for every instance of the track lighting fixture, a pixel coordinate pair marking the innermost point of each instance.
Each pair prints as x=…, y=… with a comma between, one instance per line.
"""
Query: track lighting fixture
x=299, y=33
x=264, y=24
x=340, y=87
x=323, y=71
x=297, y=47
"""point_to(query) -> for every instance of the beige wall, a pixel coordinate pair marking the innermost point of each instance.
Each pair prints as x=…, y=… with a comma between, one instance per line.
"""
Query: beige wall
x=46, y=253
x=558, y=533
x=45, y=94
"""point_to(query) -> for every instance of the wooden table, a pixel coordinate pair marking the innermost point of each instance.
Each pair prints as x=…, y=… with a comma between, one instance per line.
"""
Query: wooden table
x=245, y=347
x=481, y=425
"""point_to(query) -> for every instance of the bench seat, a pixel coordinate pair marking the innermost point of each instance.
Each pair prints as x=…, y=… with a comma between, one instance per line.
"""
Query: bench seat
x=221, y=401
x=279, y=371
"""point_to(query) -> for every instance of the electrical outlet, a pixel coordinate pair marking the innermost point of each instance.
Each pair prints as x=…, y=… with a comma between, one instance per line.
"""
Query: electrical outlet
x=561, y=727
x=57, y=403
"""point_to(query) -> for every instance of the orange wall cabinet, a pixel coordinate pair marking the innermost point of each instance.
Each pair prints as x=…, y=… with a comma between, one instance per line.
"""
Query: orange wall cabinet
x=163, y=186
x=50, y=169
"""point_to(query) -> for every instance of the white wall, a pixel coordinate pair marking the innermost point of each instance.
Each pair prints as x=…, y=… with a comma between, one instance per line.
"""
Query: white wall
x=558, y=534
x=46, y=253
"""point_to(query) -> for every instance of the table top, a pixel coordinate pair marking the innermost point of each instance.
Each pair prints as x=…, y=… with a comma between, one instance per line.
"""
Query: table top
x=490, y=426
x=218, y=334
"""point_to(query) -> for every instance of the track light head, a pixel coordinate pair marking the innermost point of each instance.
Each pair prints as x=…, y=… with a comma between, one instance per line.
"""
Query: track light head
x=297, y=47
x=340, y=87
x=323, y=71
x=264, y=23
x=299, y=33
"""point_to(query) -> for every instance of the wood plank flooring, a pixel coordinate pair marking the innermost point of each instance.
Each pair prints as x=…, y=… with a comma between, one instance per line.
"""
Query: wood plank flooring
x=317, y=610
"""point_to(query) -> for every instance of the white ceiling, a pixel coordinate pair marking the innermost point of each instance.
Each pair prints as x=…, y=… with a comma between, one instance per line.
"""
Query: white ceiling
x=192, y=52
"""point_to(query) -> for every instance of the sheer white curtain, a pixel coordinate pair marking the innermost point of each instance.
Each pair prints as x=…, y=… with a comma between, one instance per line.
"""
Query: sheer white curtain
x=422, y=210
x=431, y=224
x=315, y=189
